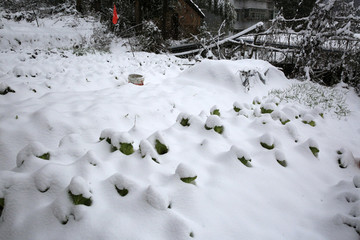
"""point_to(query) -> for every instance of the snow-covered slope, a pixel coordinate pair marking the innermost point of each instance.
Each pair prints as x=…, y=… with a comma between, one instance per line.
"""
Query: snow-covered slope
x=191, y=154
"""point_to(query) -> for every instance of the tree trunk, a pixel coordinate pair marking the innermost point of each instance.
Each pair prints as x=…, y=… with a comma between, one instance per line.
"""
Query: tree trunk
x=164, y=18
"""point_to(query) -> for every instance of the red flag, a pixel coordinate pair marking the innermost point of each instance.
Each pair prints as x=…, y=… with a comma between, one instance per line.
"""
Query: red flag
x=115, y=17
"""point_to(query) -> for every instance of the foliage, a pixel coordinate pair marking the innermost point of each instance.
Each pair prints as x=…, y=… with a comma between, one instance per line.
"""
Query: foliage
x=45, y=156
x=151, y=38
x=126, y=148
x=245, y=161
x=80, y=200
x=160, y=147
x=315, y=151
x=122, y=192
x=188, y=179
x=313, y=95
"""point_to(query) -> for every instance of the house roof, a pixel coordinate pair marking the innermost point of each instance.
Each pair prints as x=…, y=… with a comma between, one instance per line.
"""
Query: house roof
x=195, y=7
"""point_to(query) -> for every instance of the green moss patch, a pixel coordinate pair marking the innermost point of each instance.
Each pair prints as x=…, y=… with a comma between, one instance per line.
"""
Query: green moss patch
x=185, y=122
x=264, y=145
x=126, y=148
x=45, y=156
x=315, y=151
x=236, y=109
x=160, y=147
x=245, y=161
x=282, y=163
x=122, y=192
x=80, y=200
x=311, y=123
x=188, y=179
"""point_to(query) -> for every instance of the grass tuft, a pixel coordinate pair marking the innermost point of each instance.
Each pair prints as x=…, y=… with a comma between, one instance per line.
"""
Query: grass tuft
x=264, y=110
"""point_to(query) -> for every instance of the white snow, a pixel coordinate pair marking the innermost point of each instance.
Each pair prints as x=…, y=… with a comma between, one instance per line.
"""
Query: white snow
x=63, y=104
x=185, y=171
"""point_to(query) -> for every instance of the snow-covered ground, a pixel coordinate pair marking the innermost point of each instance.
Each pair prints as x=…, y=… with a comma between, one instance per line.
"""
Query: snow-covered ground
x=86, y=155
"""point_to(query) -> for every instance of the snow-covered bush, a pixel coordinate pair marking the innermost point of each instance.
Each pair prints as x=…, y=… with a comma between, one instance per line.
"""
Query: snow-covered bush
x=280, y=158
x=267, y=141
x=214, y=122
x=186, y=174
x=79, y=192
x=314, y=96
x=183, y=119
x=241, y=155
x=160, y=146
x=122, y=184
x=215, y=111
x=151, y=39
x=157, y=198
x=147, y=149
x=267, y=107
x=34, y=149
x=313, y=146
x=308, y=119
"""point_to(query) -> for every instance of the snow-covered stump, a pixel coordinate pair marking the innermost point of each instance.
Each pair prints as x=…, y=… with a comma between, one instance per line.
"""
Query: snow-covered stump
x=267, y=141
x=156, y=198
x=79, y=192
x=146, y=149
x=280, y=158
x=186, y=174
x=214, y=122
x=183, y=119
x=241, y=155
x=34, y=149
